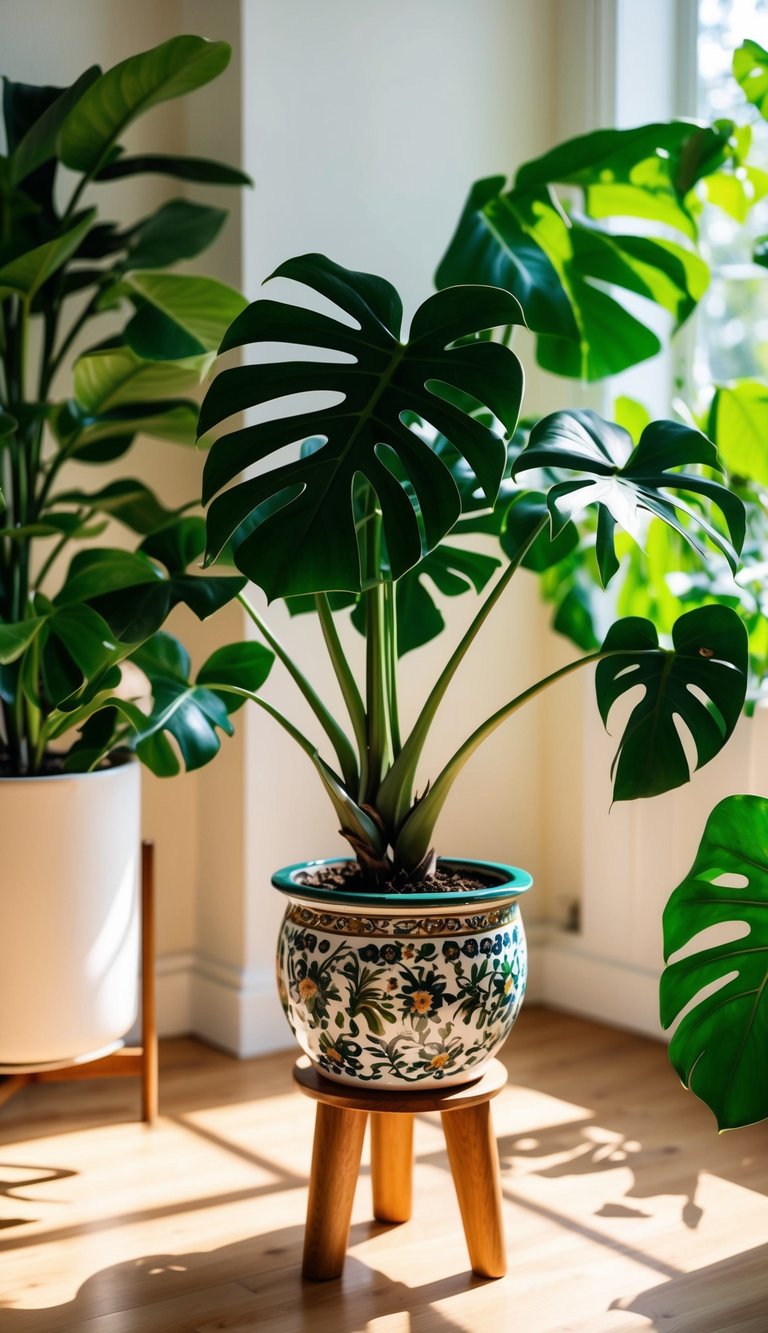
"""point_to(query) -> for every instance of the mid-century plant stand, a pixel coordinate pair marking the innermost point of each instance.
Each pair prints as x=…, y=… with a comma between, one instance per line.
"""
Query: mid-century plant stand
x=342, y=1113
x=126, y=1061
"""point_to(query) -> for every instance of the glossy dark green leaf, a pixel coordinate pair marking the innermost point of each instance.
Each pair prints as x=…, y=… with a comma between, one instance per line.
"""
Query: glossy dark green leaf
x=129, y=500
x=243, y=665
x=700, y=682
x=79, y=646
x=719, y=1047
x=15, y=638
x=40, y=141
x=568, y=271
x=627, y=482
x=183, y=168
x=132, y=87
x=178, y=230
x=190, y=713
x=305, y=540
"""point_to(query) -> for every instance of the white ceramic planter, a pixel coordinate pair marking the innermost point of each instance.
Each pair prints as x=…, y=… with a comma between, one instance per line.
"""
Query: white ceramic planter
x=402, y=992
x=69, y=914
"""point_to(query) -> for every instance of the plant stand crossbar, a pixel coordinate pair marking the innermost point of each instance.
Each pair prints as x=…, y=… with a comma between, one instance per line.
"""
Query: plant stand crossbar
x=342, y=1113
x=127, y=1061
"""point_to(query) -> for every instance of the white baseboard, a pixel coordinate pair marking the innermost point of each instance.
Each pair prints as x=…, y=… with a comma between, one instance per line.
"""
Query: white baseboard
x=239, y=1011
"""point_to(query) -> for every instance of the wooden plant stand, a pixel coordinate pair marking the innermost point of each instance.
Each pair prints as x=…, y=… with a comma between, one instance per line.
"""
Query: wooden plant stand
x=127, y=1061
x=342, y=1113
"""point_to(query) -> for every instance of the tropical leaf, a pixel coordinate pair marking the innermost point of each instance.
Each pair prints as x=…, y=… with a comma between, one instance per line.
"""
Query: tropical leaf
x=115, y=377
x=16, y=637
x=95, y=437
x=177, y=230
x=750, y=69
x=40, y=142
x=563, y=265
x=700, y=682
x=23, y=275
x=303, y=536
x=128, y=500
x=130, y=88
x=178, y=316
x=719, y=1046
x=198, y=169
x=193, y=713
x=738, y=424
x=629, y=481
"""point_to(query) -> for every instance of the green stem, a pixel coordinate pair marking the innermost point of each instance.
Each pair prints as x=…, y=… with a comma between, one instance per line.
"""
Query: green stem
x=390, y=624
x=395, y=795
x=339, y=740
x=347, y=683
x=379, y=742
x=50, y=367
x=83, y=516
x=415, y=837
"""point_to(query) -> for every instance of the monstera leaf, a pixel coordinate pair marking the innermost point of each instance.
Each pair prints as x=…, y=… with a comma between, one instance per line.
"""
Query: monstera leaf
x=701, y=681
x=750, y=69
x=193, y=712
x=562, y=264
x=719, y=1048
x=623, y=481
x=300, y=533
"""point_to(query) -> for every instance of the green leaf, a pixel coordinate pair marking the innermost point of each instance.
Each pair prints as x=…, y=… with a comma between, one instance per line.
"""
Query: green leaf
x=750, y=69
x=701, y=681
x=192, y=714
x=15, y=638
x=626, y=481
x=126, y=91
x=719, y=1046
x=93, y=574
x=244, y=665
x=174, y=420
x=178, y=316
x=183, y=168
x=178, y=230
x=301, y=514
x=115, y=377
x=79, y=647
x=23, y=275
x=40, y=142
x=564, y=266
x=738, y=424
x=130, y=501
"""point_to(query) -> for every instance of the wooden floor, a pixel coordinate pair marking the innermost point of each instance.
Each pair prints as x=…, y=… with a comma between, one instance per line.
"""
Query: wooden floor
x=624, y=1209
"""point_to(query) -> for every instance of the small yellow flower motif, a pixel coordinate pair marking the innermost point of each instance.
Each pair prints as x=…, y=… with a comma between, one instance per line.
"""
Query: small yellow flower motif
x=422, y=1001
x=333, y=1054
x=408, y=951
x=438, y=1061
x=307, y=989
x=508, y=985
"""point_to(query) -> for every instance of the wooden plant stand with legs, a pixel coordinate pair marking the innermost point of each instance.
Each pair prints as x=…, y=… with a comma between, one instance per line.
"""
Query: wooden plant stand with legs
x=342, y=1113
x=127, y=1061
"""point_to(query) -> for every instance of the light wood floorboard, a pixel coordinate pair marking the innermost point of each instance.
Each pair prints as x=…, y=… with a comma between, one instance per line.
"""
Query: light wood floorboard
x=624, y=1209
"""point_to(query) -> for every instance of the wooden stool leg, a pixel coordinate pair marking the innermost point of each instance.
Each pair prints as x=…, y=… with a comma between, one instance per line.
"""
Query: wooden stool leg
x=392, y=1165
x=148, y=1014
x=335, y=1164
x=474, y=1159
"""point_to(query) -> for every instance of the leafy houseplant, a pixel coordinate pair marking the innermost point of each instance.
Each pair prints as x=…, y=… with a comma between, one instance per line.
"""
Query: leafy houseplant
x=418, y=445
x=714, y=985
x=66, y=713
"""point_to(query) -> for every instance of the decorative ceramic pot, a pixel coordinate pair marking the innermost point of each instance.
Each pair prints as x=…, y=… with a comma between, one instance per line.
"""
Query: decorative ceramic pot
x=395, y=990
x=69, y=914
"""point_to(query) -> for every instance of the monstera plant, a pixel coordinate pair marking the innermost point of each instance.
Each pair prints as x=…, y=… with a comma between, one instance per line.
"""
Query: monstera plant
x=87, y=675
x=418, y=446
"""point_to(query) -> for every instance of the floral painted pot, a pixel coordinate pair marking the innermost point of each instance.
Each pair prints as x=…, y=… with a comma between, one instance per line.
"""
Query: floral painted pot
x=402, y=991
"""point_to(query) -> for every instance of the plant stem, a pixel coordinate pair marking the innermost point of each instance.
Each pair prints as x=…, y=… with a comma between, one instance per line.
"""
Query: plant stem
x=415, y=837
x=394, y=797
x=340, y=741
x=390, y=624
x=379, y=742
x=341, y=667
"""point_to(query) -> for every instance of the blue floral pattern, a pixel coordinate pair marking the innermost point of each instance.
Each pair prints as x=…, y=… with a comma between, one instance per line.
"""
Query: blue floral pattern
x=374, y=1004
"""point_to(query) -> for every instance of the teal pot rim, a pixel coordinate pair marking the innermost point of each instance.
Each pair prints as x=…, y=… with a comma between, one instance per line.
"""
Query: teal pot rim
x=511, y=883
